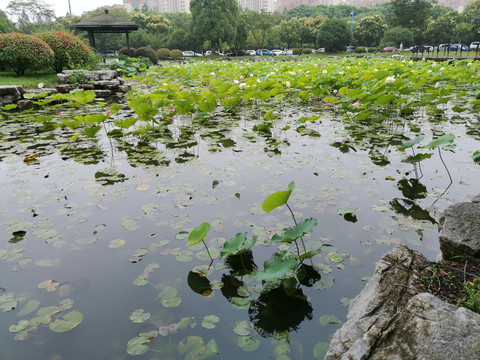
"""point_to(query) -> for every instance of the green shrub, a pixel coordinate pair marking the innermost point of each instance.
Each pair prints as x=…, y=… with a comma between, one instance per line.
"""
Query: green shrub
x=129, y=52
x=148, y=53
x=69, y=51
x=372, y=49
x=360, y=49
x=306, y=51
x=176, y=54
x=297, y=51
x=21, y=52
x=163, y=53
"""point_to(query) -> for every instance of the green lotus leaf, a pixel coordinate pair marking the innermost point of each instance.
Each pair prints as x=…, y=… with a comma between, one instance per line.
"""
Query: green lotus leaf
x=237, y=245
x=136, y=346
x=291, y=234
x=276, y=269
x=248, y=343
x=192, y=347
x=22, y=324
x=442, y=140
x=243, y=327
x=172, y=303
x=198, y=234
x=139, y=316
x=210, y=321
x=68, y=322
x=278, y=198
x=210, y=349
x=320, y=350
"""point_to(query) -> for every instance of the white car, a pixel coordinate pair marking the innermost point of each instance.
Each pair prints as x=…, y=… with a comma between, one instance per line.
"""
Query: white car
x=188, y=53
x=250, y=52
x=278, y=52
x=475, y=45
x=208, y=52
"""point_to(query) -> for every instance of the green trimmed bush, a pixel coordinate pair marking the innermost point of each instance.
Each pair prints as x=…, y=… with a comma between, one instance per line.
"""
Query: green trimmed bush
x=129, y=52
x=360, y=49
x=297, y=51
x=163, y=53
x=306, y=51
x=147, y=53
x=22, y=52
x=176, y=54
x=69, y=51
x=372, y=49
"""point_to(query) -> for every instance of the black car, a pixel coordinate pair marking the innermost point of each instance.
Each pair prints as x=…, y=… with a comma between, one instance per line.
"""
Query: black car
x=237, y=53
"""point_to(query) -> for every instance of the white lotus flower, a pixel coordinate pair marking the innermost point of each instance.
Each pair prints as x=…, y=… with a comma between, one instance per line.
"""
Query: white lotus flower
x=287, y=84
x=390, y=80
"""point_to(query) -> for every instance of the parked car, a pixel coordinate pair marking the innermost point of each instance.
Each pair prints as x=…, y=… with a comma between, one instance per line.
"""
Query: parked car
x=198, y=54
x=249, y=52
x=188, y=53
x=265, y=52
x=458, y=47
x=237, y=53
x=442, y=47
x=389, y=49
x=208, y=53
x=474, y=45
x=278, y=52
x=320, y=50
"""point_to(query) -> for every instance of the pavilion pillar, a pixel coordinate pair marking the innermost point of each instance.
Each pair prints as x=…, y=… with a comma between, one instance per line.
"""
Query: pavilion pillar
x=128, y=39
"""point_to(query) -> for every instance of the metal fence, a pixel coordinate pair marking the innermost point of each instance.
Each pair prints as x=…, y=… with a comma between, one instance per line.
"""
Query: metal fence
x=443, y=52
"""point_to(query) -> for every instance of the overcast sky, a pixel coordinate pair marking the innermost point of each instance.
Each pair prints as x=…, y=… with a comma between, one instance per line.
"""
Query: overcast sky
x=78, y=6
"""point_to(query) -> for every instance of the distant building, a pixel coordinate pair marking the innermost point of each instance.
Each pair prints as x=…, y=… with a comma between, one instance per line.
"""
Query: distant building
x=130, y=5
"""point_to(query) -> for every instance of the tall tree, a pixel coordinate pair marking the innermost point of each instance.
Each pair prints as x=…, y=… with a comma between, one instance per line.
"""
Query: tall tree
x=260, y=24
x=334, y=34
x=309, y=30
x=30, y=11
x=290, y=31
x=396, y=36
x=369, y=30
x=214, y=20
x=442, y=30
x=412, y=14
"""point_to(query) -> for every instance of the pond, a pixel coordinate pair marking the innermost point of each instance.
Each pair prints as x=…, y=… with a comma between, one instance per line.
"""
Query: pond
x=99, y=202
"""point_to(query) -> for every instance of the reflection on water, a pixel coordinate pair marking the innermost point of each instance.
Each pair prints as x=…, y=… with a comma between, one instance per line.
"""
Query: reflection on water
x=80, y=210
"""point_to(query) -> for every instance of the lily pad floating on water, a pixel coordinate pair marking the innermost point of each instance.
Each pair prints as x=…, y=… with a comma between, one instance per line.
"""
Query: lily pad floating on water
x=248, y=343
x=329, y=319
x=22, y=324
x=210, y=321
x=116, y=243
x=29, y=307
x=68, y=322
x=139, y=316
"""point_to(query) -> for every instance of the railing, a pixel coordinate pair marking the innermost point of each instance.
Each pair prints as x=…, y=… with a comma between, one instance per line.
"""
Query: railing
x=445, y=53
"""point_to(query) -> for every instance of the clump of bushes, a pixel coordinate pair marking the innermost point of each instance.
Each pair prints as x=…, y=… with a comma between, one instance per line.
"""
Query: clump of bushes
x=372, y=49
x=360, y=49
x=163, y=53
x=129, y=52
x=147, y=53
x=300, y=51
x=176, y=54
x=21, y=52
x=69, y=51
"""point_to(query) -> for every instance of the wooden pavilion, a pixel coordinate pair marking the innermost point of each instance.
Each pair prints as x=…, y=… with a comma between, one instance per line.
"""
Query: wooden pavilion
x=106, y=23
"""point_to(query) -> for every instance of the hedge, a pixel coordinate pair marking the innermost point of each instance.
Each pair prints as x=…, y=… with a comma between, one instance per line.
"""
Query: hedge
x=163, y=53
x=130, y=52
x=176, y=54
x=148, y=53
x=69, y=50
x=22, y=52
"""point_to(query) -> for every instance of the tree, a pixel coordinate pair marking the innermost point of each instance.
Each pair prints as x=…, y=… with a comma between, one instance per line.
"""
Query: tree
x=396, y=36
x=260, y=24
x=472, y=15
x=369, y=30
x=214, y=20
x=334, y=34
x=442, y=30
x=290, y=31
x=5, y=24
x=242, y=31
x=309, y=30
x=412, y=14
x=30, y=11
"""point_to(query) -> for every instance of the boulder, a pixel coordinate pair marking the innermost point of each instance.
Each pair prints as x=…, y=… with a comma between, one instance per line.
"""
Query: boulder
x=10, y=94
x=459, y=231
x=388, y=320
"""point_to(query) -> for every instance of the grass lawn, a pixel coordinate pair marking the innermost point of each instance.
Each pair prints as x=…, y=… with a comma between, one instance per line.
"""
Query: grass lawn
x=29, y=80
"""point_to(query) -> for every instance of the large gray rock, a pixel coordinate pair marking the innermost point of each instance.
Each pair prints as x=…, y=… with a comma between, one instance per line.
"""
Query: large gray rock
x=459, y=231
x=10, y=94
x=389, y=321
